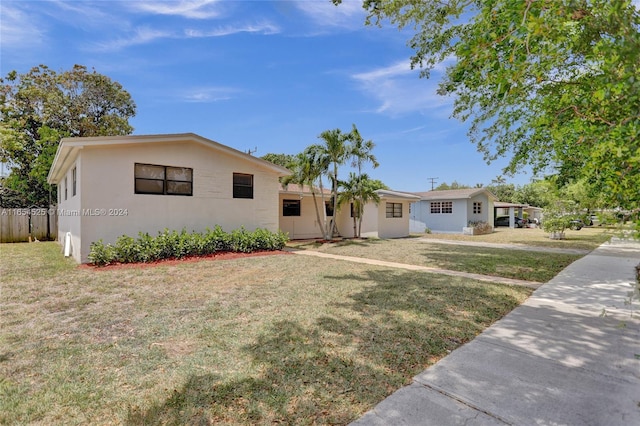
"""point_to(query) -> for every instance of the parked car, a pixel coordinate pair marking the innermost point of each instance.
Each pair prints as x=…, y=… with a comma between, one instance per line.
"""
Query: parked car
x=504, y=221
x=576, y=225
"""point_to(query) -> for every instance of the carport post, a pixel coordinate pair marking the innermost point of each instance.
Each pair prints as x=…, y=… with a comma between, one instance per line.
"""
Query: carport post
x=512, y=221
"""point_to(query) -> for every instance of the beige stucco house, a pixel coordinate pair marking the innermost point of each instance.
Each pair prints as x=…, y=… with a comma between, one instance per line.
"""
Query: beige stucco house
x=387, y=219
x=123, y=185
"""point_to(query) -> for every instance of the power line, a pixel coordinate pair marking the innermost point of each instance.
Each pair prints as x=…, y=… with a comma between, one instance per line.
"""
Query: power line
x=433, y=180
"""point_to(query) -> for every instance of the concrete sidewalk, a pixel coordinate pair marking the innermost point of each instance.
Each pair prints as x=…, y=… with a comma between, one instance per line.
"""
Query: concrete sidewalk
x=554, y=360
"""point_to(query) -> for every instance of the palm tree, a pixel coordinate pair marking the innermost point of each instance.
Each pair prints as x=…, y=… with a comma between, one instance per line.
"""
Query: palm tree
x=359, y=190
x=336, y=151
x=309, y=167
x=360, y=150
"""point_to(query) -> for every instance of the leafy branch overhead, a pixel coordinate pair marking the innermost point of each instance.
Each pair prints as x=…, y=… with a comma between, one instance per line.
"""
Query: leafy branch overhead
x=548, y=84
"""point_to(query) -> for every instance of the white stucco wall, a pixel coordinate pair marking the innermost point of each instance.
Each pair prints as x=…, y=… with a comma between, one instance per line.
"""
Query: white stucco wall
x=306, y=225
x=107, y=188
x=70, y=210
x=486, y=214
x=393, y=227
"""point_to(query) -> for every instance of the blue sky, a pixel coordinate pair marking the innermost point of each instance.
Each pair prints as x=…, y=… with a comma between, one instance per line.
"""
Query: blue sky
x=270, y=75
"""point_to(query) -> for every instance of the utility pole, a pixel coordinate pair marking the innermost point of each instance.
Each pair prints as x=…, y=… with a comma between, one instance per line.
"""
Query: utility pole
x=432, y=179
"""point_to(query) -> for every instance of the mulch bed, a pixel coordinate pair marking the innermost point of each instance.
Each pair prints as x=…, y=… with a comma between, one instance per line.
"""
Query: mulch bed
x=187, y=259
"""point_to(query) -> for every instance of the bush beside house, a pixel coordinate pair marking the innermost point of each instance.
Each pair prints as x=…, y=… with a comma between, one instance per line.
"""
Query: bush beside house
x=172, y=244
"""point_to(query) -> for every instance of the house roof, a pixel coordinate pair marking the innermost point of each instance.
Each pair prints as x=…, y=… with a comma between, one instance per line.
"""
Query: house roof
x=500, y=204
x=385, y=193
x=301, y=189
x=70, y=147
x=454, y=194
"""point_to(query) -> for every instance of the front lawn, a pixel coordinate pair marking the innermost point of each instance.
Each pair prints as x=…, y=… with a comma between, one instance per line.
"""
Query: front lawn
x=272, y=339
x=517, y=264
x=586, y=239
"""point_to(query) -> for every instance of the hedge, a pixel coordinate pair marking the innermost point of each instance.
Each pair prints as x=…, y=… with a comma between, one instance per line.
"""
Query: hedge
x=172, y=244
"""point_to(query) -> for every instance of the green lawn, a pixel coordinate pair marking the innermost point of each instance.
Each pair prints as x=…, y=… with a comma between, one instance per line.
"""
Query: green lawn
x=585, y=239
x=273, y=339
x=507, y=263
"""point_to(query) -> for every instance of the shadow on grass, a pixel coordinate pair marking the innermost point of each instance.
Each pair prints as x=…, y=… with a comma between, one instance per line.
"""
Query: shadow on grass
x=523, y=265
x=343, y=363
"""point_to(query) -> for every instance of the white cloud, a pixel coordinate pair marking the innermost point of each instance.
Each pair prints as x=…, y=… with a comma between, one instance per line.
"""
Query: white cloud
x=19, y=29
x=142, y=35
x=262, y=28
x=208, y=94
x=192, y=9
x=145, y=35
x=398, y=90
x=349, y=14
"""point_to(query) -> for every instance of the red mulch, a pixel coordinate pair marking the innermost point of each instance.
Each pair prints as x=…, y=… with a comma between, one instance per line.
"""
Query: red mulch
x=188, y=259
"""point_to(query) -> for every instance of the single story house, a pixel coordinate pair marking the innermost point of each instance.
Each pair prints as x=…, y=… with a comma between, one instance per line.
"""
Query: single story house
x=122, y=185
x=387, y=219
x=449, y=211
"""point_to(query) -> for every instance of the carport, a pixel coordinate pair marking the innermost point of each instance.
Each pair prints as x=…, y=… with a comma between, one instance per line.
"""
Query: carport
x=508, y=209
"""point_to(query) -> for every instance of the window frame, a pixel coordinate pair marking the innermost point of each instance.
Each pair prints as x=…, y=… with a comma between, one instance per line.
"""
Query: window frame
x=447, y=207
x=329, y=211
x=290, y=211
x=238, y=187
x=74, y=177
x=477, y=207
x=393, y=210
x=165, y=181
x=435, y=207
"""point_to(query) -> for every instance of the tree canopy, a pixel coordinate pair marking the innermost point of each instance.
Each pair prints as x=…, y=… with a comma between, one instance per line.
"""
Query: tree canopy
x=40, y=107
x=551, y=85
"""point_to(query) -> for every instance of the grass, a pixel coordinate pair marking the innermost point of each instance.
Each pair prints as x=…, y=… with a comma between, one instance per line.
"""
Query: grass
x=240, y=341
x=585, y=239
x=517, y=264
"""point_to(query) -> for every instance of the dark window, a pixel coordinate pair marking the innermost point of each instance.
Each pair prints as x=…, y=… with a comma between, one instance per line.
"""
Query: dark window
x=73, y=179
x=435, y=207
x=242, y=185
x=65, y=188
x=290, y=207
x=477, y=207
x=328, y=208
x=447, y=207
x=394, y=209
x=163, y=180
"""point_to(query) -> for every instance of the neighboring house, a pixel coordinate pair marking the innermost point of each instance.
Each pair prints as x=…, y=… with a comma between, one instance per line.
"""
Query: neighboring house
x=388, y=219
x=122, y=185
x=451, y=210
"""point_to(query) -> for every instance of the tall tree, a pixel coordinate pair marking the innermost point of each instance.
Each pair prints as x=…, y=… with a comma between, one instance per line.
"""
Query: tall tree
x=548, y=84
x=40, y=107
x=308, y=169
x=336, y=149
x=361, y=151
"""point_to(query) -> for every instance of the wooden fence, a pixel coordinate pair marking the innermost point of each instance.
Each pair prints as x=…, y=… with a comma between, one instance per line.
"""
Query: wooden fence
x=17, y=225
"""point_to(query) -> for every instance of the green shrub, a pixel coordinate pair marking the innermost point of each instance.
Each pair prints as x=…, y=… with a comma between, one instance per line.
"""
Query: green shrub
x=126, y=249
x=169, y=244
x=101, y=254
